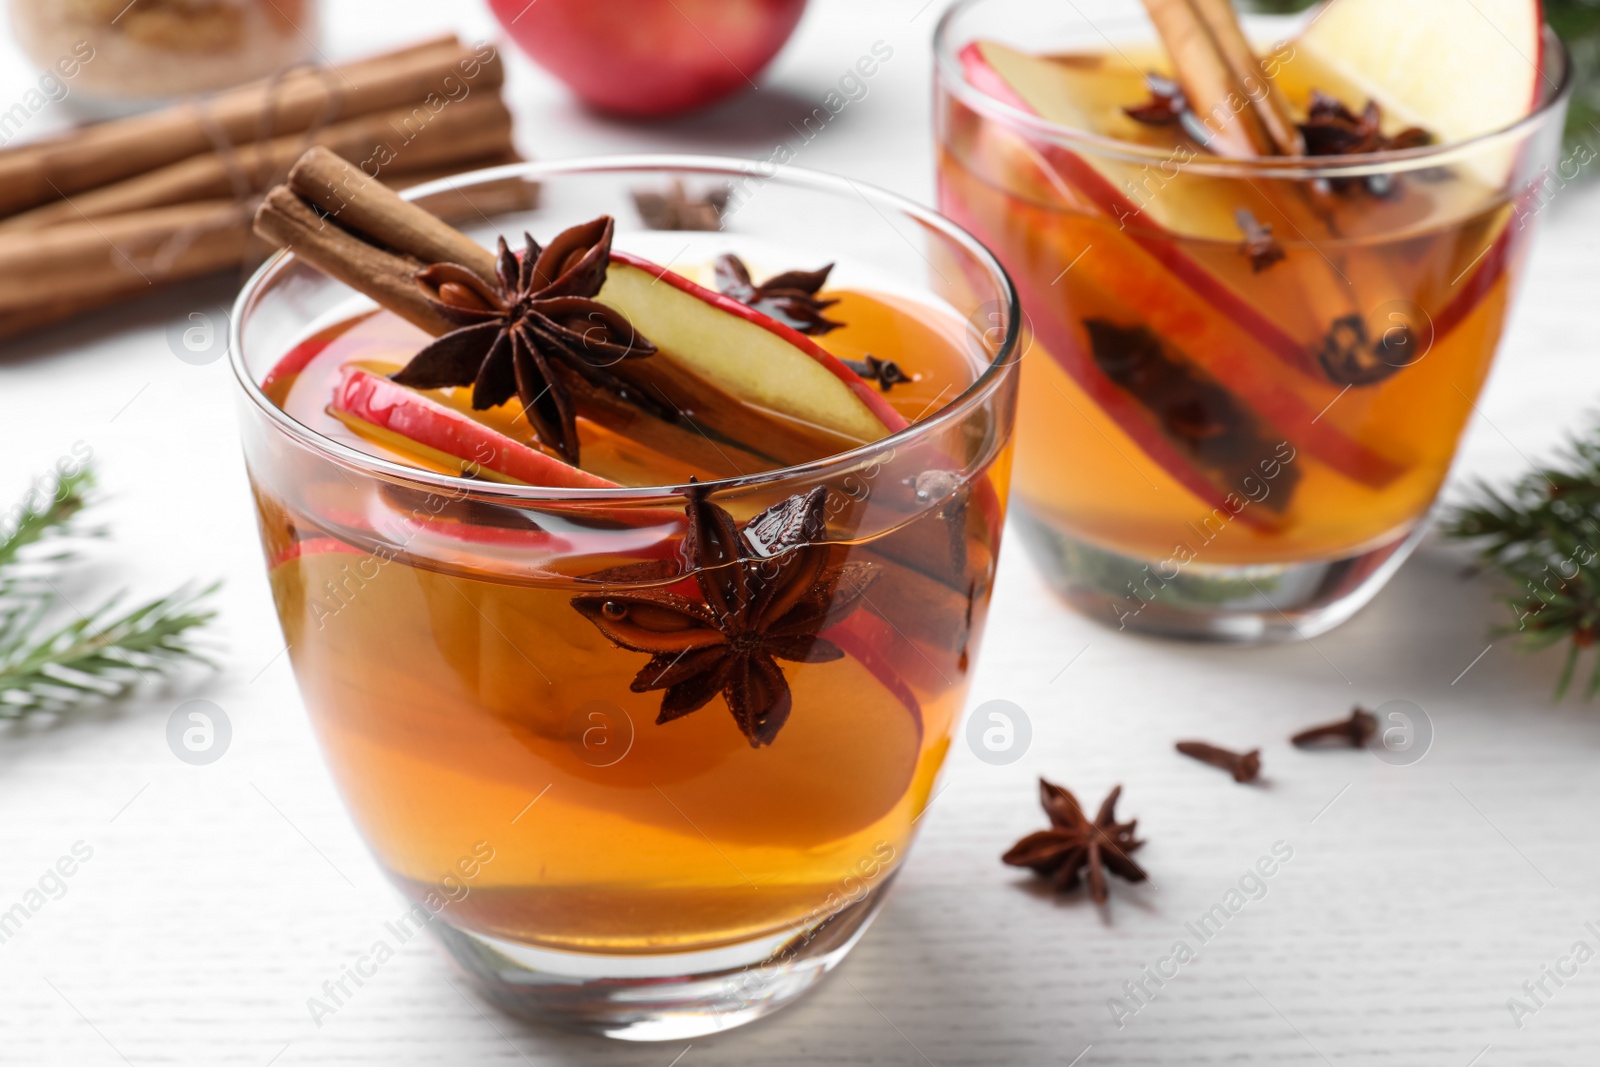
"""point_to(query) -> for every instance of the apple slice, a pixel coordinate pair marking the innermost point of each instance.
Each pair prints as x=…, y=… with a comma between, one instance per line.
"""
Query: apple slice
x=1457, y=70
x=1029, y=83
x=786, y=395
x=401, y=419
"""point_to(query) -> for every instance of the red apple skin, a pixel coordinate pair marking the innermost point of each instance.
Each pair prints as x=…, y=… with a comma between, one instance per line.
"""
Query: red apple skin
x=387, y=406
x=651, y=58
x=892, y=420
x=311, y=546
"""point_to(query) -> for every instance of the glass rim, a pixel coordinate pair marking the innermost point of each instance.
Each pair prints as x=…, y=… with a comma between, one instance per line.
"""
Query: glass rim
x=259, y=283
x=949, y=73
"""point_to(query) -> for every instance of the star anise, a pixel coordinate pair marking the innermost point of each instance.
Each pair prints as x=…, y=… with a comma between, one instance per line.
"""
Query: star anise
x=523, y=334
x=886, y=372
x=1331, y=129
x=766, y=593
x=1165, y=106
x=1168, y=106
x=1259, y=244
x=790, y=297
x=1074, y=843
x=675, y=209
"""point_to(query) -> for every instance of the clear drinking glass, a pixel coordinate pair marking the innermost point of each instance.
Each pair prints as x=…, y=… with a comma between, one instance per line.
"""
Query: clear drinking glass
x=586, y=864
x=1219, y=439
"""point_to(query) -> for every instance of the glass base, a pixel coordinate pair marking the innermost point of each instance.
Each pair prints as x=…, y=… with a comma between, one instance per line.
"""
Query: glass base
x=660, y=998
x=1243, y=604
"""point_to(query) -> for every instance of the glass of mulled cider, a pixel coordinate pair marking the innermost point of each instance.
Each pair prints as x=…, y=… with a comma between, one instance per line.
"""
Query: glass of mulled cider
x=685, y=666
x=1266, y=270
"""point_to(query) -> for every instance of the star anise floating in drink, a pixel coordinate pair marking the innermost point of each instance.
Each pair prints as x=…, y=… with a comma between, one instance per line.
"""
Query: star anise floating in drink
x=766, y=593
x=886, y=372
x=790, y=297
x=1331, y=129
x=1074, y=843
x=524, y=334
x=1168, y=106
x=1165, y=106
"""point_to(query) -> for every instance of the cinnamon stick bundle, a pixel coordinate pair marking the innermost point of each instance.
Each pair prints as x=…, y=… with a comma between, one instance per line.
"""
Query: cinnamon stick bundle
x=96, y=155
x=49, y=275
x=1222, y=77
x=477, y=127
x=1270, y=109
x=363, y=234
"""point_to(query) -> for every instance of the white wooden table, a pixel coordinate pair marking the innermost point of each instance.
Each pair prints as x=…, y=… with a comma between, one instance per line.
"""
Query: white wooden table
x=1418, y=900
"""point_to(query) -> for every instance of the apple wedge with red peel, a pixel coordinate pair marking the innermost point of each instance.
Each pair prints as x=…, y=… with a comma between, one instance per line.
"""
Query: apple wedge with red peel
x=1129, y=416
x=869, y=641
x=742, y=374
x=402, y=419
x=310, y=546
x=1139, y=423
x=1026, y=82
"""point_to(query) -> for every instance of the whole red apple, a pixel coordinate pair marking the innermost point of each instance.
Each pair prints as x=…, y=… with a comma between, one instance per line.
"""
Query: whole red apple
x=651, y=57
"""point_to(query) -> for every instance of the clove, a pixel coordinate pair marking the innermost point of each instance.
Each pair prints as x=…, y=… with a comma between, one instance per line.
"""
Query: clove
x=1355, y=731
x=1244, y=766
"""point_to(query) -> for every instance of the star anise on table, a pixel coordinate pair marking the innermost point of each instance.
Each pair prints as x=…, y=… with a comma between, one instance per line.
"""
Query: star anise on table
x=534, y=324
x=1259, y=244
x=766, y=594
x=675, y=209
x=1331, y=129
x=1074, y=843
x=790, y=297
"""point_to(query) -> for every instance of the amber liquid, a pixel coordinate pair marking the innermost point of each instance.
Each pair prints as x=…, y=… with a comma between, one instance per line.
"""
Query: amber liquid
x=1221, y=447
x=461, y=699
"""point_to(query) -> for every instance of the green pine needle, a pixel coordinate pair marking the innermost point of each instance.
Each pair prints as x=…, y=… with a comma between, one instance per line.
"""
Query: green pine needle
x=47, y=511
x=49, y=665
x=1543, y=535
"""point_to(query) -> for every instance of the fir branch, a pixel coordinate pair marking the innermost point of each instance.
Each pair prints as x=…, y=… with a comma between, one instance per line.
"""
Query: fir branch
x=48, y=510
x=101, y=655
x=98, y=656
x=1541, y=534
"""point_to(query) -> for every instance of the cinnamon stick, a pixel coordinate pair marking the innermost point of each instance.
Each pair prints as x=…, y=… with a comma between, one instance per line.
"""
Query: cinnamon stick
x=1246, y=70
x=389, y=141
x=96, y=155
x=288, y=221
x=1214, y=93
x=1213, y=61
x=364, y=206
